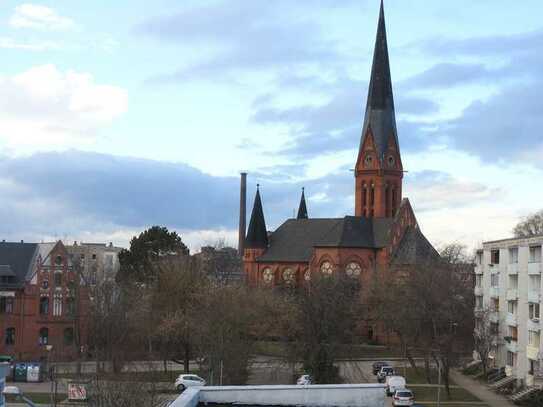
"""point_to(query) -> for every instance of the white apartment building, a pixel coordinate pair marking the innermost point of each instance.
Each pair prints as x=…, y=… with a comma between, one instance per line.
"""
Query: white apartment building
x=508, y=283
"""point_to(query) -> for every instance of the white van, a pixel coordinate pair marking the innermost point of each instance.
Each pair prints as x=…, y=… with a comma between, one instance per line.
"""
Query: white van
x=394, y=383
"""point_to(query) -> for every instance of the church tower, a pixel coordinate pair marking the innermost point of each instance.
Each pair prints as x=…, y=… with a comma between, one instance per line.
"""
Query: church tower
x=378, y=170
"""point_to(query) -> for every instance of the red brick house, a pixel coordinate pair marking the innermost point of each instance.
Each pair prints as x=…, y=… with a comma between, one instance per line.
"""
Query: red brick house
x=43, y=301
x=384, y=228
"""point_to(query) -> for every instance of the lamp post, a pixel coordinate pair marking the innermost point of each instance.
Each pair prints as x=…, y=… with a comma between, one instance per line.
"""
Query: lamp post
x=15, y=391
x=49, y=348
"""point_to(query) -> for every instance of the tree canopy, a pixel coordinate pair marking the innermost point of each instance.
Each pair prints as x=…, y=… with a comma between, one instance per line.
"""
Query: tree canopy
x=532, y=225
x=156, y=242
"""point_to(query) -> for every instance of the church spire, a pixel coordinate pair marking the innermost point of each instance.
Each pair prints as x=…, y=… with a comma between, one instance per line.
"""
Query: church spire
x=257, y=235
x=302, y=209
x=378, y=169
x=380, y=117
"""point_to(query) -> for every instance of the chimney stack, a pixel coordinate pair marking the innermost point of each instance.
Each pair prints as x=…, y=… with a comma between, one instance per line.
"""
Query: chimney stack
x=242, y=213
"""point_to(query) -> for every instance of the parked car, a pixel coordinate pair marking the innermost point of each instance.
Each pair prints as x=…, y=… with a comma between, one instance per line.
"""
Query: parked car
x=384, y=372
x=394, y=383
x=304, y=380
x=403, y=397
x=378, y=365
x=188, y=380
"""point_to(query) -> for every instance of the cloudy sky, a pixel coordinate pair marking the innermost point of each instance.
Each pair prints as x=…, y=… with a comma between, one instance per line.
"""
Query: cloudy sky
x=119, y=115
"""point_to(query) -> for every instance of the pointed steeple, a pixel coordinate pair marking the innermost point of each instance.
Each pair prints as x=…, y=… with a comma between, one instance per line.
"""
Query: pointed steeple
x=380, y=117
x=302, y=209
x=257, y=235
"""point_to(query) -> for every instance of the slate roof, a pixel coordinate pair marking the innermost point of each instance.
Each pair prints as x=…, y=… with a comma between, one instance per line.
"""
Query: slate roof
x=257, y=235
x=414, y=248
x=302, y=209
x=295, y=239
x=20, y=259
x=380, y=116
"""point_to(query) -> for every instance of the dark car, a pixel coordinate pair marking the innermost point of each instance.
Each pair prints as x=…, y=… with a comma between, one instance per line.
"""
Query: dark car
x=378, y=365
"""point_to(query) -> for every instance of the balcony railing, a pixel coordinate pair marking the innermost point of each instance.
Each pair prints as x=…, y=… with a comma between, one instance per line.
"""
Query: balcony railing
x=535, y=268
x=494, y=317
x=494, y=292
x=512, y=294
x=534, y=296
x=511, y=319
x=479, y=290
x=533, y=324
x=512, y=268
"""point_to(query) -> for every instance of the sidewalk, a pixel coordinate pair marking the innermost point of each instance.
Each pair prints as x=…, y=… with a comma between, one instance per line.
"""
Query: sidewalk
x=480, y=390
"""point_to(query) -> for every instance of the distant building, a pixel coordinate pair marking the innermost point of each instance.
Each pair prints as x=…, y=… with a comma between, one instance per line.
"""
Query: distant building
x=44, y=296
x=508, y=285
x=222, y=264
x=383, y=230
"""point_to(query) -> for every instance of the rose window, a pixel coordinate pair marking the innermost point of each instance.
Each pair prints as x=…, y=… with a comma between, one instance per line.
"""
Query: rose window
x=326, y=268
x=353, y=269
x=267, y=275
x=288, y=275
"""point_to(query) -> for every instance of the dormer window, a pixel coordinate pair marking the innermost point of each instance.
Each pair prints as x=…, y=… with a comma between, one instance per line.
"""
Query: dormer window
x=58, y=260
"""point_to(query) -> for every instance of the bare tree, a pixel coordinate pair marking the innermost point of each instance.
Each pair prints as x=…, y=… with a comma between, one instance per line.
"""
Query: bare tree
x=484, y=337
x=532, y=225
x=322, y=318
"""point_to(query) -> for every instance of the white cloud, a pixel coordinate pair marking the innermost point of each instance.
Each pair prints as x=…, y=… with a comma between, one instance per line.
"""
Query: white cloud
x=10, y=43
x=40, y=18
x=44, y=106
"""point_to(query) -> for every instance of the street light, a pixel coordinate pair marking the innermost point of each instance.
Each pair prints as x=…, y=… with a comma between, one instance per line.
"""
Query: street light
x=15, y=391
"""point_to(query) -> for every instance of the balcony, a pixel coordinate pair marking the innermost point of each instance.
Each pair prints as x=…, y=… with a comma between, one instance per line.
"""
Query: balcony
x=478, y=269
x=494, y=317
x=512, y=268
x=512, y=294
x=512, y=346
x=534, y=268
x=494, y=292
x=532, y=352
x=534, y=296
x=511, y=319
x=533, y=325
x=478, y=290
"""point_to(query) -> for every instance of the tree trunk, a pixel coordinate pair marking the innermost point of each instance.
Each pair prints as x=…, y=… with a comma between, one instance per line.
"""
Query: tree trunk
x=186, y=361
x=411, y=360
x=427, y=370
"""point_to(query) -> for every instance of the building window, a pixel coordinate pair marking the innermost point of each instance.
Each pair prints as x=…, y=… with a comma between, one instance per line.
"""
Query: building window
x=58, y=260
x=57, y=305
x=494, y=257
x=478, y=280
x=479, y=258
x=535, y=283
x=387, y=201
x=393, y=201
x=68, y=336
x=513, y=332
x=495, y=304
x=535, y=254
x=267, y=275
x=479, y=302
x=326, y=268
x=512, y=307
x=44, y=306
x=58, y=279
x=45, y=284
x=364, y=195
x=513, y=282
x=533, y=339
x=6, y=305
x=94, y=256
x=494, y=328
x=70, y=306
x=511, y=358
x=44, y=336
x=533, y=311
x=353, y=269
x=513, y=255
x=10, y=336
x=494, y=280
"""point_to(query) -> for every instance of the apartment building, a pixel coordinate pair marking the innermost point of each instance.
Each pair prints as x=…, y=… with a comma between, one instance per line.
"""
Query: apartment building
x=508, y=286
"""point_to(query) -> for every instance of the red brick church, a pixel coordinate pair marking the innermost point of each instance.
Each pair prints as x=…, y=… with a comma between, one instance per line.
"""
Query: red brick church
x=383, y=230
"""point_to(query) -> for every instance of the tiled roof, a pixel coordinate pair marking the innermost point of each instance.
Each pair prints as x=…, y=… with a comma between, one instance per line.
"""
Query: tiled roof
x=414, y=248
x=295, y=239
x=19, y=257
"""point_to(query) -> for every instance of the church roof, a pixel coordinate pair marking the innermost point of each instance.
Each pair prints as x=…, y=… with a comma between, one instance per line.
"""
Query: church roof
x=380, y=116
x=16, y=260
x=257, y=235
x=302, y=209
x=414, y=248
x=295, y=239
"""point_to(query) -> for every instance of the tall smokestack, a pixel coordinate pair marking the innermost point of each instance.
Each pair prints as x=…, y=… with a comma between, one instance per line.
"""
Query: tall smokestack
x=242, y=212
